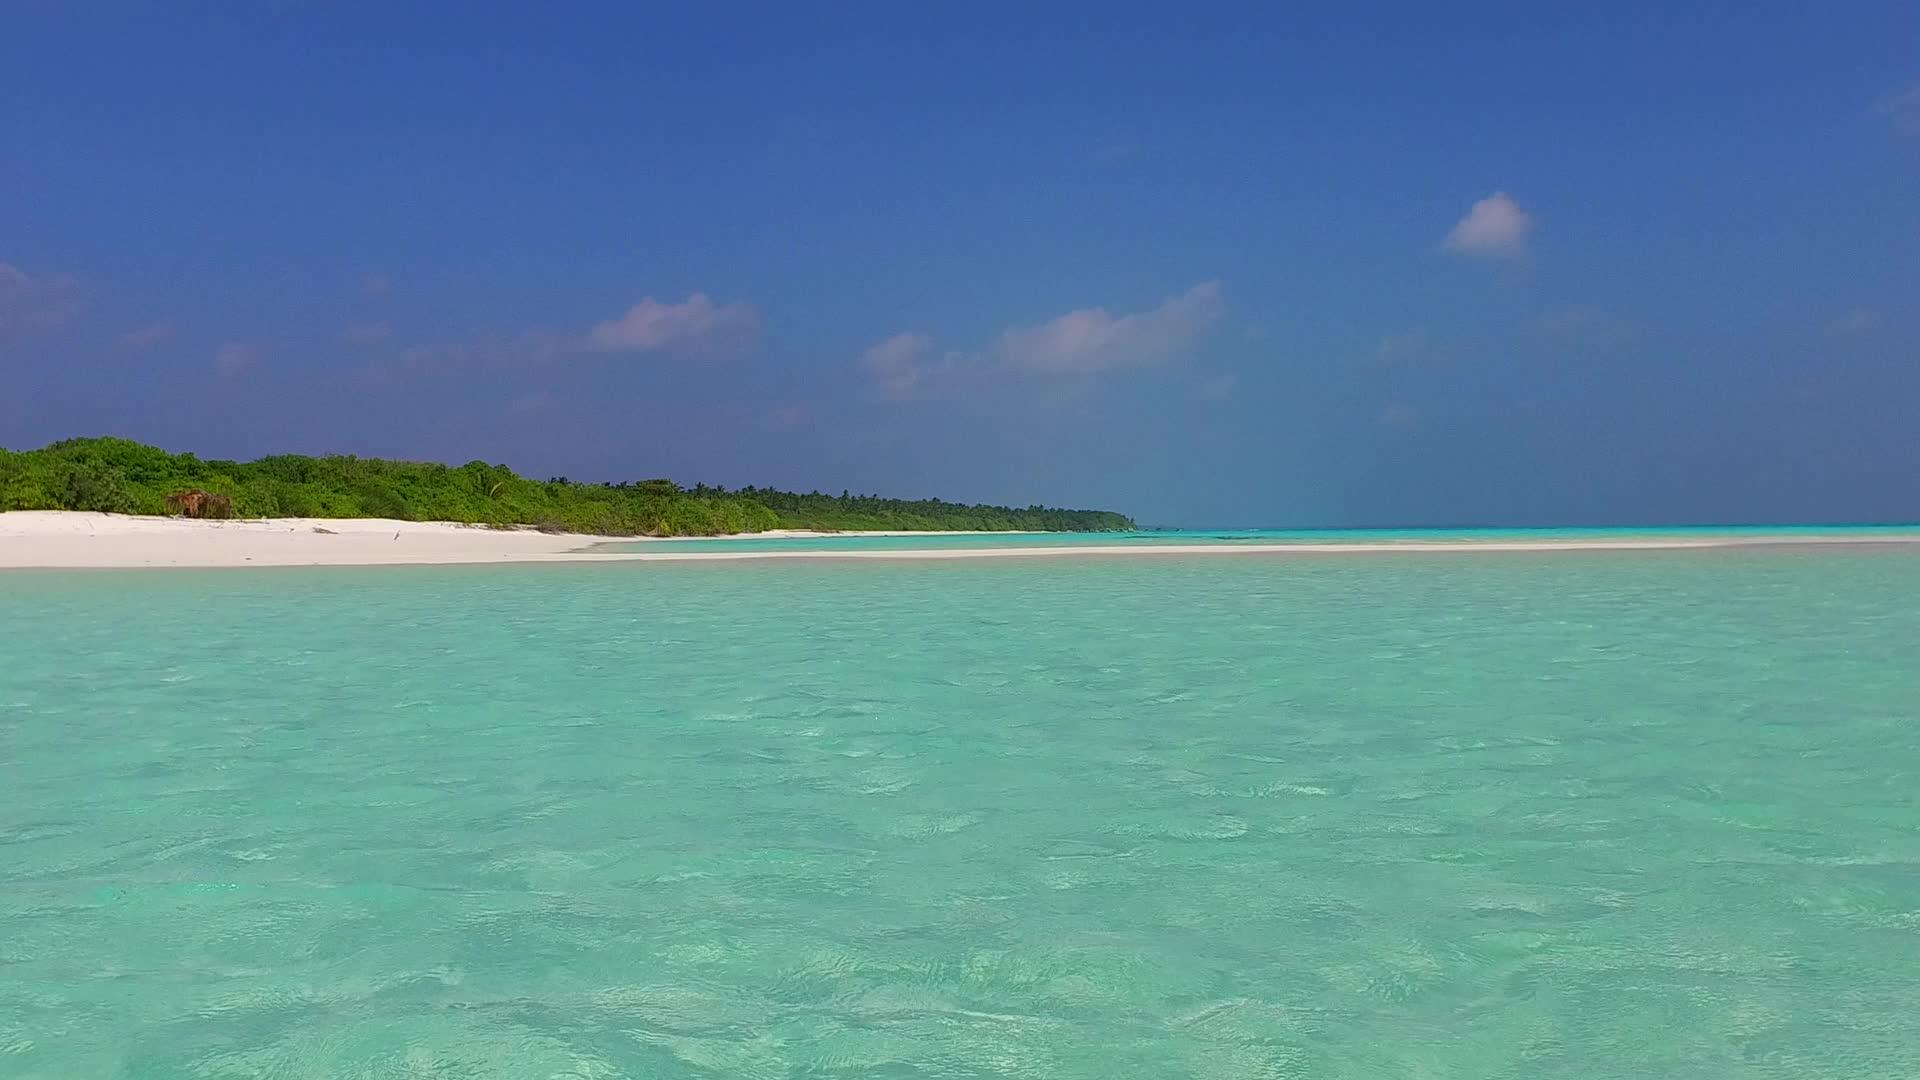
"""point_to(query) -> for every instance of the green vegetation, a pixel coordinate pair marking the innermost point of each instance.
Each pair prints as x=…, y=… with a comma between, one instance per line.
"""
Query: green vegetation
x=124, y=477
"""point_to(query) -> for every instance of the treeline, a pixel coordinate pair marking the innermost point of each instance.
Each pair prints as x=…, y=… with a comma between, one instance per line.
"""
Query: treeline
x=852, y=513
x=125, y=477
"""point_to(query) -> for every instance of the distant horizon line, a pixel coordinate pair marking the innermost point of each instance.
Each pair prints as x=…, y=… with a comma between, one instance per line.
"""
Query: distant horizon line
x=1398, y=527
x=1669, y=526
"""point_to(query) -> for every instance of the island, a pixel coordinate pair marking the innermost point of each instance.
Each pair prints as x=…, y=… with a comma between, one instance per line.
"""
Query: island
x=121, y=476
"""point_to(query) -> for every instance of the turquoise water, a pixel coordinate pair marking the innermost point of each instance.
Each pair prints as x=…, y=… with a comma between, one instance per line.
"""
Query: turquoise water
x=1165, y=537
x=1567, y=815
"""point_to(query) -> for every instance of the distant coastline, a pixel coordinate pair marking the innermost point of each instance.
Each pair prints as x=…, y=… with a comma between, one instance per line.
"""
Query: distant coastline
x=120, y=476
x=103, y=503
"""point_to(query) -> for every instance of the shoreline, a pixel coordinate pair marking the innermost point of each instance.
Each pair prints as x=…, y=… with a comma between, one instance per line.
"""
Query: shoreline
x=78, y=540
x=1405, y=547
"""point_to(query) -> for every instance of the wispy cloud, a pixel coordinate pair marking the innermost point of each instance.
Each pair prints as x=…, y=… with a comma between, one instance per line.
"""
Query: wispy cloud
x=485, y=353
x=238, y=357
x=526, y=404
x=788, y=416
x=1092, y=339
x=1583, y=326
x=1496, y=228
x=1903, y=109
x=1218, y=388
x=651, y=326
x=390, y=369
x=157, y=332
x=1855, y=321
x=899, y=365
x=1396, y=348
x=366, y=333
x=35, y=303
x=1566, y=322
x=1400, y=414
x=1086, y=341
x=696, y=325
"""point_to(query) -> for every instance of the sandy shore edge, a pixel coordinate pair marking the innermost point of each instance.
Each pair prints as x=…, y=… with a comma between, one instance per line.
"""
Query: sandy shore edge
x=69, y=540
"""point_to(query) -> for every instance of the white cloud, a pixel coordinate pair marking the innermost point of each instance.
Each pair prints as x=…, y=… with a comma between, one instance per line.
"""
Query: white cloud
x=1091, y=339
x=1496, y=228
x=1904, y=110
x=899, y=364
x=1856, y=321
x=30, y=303
x=237, y=357
x=650, y=326
x=1083, y=342
x=157, y=332
x=366, y=333
x=694, y=325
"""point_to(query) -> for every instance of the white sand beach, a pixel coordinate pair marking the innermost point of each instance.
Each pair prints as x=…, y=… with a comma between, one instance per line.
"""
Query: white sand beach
x=77, y=540
x=66, y=539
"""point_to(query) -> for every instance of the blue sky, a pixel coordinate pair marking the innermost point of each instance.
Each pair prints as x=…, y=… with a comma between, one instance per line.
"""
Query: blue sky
x=1223, y=264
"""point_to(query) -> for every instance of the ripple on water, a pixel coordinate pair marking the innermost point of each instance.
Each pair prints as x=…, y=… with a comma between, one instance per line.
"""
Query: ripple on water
x=1606, y=816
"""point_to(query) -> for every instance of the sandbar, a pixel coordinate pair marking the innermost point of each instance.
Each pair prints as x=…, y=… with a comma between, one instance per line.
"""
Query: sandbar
x=36, y=539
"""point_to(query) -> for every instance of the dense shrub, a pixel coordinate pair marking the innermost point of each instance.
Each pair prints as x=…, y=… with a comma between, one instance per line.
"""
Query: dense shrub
x=122, y=476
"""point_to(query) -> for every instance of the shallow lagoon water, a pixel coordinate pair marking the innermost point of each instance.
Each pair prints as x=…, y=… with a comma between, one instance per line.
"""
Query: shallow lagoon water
x=1146, y=539
x=1571, y=814
x=949, y=541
